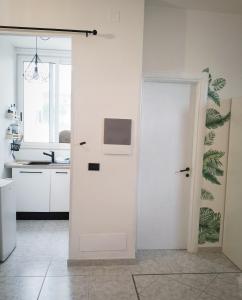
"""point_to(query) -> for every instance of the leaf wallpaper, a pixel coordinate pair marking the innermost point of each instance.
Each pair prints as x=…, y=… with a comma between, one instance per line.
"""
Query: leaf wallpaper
x=213, y=170
x=209, y=225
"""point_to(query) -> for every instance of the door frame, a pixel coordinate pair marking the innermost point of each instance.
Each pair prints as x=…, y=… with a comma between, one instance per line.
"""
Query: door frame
x=26, y=32
x=200, y=84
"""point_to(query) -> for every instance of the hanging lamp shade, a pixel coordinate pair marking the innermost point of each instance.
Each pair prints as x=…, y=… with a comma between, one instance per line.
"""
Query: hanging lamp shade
x=35, y=69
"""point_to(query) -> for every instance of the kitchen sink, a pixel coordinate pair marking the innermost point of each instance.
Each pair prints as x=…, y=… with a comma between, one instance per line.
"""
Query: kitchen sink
x=39, y=163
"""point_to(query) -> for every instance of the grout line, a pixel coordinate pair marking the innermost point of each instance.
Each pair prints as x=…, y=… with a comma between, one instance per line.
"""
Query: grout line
x=165, y=274
x=196, y=288
x=210, y=283
x=135, y=287
x=240, y=271
x=182, y=273
x=71, y=275
x=44, y=280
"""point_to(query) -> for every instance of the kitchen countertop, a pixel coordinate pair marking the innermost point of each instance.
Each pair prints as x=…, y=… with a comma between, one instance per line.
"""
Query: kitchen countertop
x=24, y=164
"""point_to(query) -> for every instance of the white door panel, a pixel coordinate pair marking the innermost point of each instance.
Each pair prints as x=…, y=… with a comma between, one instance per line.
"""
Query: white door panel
x=165, y=148
x=60, y=190
x=32, y=188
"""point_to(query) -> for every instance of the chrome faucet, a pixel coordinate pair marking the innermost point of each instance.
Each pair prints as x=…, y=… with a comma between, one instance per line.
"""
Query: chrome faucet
x=51, y=154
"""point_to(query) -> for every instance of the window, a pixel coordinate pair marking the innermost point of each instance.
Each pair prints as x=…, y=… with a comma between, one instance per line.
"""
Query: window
x=46, y=104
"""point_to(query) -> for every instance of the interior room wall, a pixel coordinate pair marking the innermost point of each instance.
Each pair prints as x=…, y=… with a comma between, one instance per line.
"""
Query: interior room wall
x=164, y=38
x=106, y=83
x=7, y=97
x=175, y=41
x=180, y=41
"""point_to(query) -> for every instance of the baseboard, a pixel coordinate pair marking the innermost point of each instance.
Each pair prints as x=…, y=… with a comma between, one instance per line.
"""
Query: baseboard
x=42, y=215
x=210, y=249
x=101, y=262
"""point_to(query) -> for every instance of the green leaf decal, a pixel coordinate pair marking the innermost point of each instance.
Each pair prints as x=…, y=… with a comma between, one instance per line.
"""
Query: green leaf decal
x=211, y=165
x=214, y=119
x=209, y=225
x=206, y=70
x=206, y=195
x=213, y=155
x=209, y=75
x=209, y=138
x=206, y=216
x=218, y=84
x=214, y=96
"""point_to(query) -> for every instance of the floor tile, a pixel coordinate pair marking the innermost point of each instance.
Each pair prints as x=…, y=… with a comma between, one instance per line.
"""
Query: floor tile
x=205, y=296
x=61, y=268
x=17, y=266
x=164, y=287
x=226, y=287
x=66, y=288
x=20, y=288
x=144, y=281
x=42, y=249
x=42, y=238
x=197, y=281
x=112, y=287
x=184, y=262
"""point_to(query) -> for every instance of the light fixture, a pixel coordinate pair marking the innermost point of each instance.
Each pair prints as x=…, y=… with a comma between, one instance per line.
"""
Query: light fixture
x=34, y=70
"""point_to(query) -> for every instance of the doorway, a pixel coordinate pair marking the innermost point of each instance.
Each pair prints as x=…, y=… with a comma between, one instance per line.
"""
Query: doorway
x=172, y=116
x=36, y=117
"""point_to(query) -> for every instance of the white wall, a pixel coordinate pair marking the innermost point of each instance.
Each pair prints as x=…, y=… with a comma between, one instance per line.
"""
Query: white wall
x=214, y=40
x=164, y=39
x=187, y=41
x=232, y=242
x=106, y=82
x=7, y=97
x=107, y=75
x=180, y=41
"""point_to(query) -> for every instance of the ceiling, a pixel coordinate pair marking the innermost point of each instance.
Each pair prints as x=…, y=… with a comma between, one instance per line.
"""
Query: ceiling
x=54, y=43
x=223, y=6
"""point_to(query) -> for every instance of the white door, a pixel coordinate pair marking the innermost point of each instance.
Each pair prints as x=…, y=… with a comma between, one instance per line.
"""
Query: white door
x=60, y=190
x=232, y=240
x=166, y=146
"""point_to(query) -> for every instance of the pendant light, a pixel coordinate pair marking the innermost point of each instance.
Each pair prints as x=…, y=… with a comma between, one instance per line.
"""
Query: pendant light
x=34, y=70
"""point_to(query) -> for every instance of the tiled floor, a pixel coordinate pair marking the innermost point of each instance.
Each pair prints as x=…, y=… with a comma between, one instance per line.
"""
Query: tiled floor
x=38, y=270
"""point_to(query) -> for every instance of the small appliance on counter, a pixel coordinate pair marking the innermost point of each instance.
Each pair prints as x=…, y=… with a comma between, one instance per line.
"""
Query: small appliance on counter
x=7, y=218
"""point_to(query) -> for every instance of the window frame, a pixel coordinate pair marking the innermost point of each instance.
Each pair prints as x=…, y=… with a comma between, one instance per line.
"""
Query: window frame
x=49, y=56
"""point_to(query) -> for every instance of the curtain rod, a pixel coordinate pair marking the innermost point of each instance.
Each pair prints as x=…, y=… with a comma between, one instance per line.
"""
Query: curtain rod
x=87, y=32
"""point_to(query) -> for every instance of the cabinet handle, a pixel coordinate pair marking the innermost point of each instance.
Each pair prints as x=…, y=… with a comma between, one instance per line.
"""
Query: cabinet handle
x=61, y=172
x=30, y=172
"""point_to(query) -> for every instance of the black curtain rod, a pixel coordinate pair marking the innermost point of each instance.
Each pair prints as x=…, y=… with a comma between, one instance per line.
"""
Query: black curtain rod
x=87, y=32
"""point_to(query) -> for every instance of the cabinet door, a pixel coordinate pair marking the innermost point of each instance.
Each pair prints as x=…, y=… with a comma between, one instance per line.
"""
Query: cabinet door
x=60, y=190
x=32, y=189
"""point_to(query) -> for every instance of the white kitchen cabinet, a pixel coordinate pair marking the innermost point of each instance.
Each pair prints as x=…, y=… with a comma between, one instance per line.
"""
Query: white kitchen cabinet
x=32, y=189
x=42, y=190
x=59, y=190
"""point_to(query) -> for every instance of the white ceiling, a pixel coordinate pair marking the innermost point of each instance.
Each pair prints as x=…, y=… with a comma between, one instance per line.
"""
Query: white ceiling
x=224, y=6
x=54, y=43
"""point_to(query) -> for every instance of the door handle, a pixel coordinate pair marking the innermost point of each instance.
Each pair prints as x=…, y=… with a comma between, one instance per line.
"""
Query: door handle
x=30, y=172
x=185, y=170
x=60, y=172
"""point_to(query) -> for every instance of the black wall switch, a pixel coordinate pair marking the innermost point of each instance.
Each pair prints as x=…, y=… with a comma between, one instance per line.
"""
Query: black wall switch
x=93, y=166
